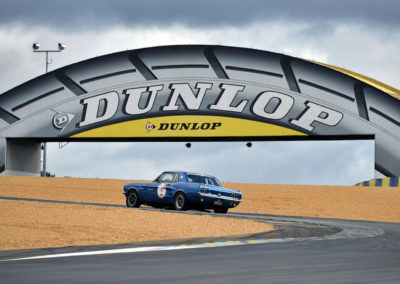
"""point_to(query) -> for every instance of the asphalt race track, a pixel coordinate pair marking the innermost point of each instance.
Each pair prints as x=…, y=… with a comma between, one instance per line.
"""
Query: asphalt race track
x=300, y=250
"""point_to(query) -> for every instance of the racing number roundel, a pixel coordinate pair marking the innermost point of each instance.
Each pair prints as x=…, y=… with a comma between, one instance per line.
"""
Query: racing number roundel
x=161, y=190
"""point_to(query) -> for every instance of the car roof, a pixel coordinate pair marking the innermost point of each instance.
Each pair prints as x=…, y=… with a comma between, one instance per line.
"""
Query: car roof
x=189, y=173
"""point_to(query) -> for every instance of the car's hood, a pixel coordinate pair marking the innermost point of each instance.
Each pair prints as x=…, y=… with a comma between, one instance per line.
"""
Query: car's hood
x=221, y=189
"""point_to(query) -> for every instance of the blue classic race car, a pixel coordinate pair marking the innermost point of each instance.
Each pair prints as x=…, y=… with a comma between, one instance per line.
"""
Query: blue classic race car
x=183, y=190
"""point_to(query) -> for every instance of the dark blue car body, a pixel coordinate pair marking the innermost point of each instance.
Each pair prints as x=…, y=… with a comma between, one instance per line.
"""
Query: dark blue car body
x=183, y=190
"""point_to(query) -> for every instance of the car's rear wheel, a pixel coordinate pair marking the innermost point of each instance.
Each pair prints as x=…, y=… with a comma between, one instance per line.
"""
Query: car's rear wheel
x=132, y=199
x=221, y=210
x=180, y=202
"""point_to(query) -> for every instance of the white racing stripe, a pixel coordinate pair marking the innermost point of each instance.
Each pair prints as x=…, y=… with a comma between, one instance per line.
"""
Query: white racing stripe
x=102, y=252
x=150, y=249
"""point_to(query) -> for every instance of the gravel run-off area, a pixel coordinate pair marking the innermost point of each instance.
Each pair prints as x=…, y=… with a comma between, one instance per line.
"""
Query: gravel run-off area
x=27, y=224
x=34, y=225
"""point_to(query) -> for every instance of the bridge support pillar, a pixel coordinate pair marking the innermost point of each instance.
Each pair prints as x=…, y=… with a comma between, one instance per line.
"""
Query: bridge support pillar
x=22, y=158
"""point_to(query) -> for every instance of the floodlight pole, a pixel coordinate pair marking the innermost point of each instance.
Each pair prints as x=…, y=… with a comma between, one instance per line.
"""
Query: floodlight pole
x=36, y=47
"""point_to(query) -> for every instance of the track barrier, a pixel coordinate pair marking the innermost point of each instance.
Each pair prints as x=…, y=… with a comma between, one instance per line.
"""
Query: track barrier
x=381, y=182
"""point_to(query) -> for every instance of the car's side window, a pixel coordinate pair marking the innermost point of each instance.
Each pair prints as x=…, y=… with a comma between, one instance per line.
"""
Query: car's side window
x=168, y=177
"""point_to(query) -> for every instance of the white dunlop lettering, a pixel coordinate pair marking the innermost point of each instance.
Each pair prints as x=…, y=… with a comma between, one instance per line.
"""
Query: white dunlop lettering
x=285, y=104
x=226, y=98
x=190, y=100
x=133, y=99
x=92, y=105
x=317, y=113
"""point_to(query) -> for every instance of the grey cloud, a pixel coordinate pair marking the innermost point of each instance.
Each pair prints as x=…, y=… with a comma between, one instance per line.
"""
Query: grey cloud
x=94, y=14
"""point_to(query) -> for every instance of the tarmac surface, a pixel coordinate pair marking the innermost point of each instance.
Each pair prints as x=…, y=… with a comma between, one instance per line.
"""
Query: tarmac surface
x=300, y=250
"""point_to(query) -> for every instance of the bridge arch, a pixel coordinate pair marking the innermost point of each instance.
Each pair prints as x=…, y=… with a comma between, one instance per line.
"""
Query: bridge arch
x=197, y=92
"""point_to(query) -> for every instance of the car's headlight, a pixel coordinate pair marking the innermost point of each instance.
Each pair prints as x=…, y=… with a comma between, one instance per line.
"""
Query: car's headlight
x=236, y=196
x=204, y=190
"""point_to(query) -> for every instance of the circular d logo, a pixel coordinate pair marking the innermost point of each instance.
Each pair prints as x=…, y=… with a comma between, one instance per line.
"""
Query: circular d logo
x=61, y=120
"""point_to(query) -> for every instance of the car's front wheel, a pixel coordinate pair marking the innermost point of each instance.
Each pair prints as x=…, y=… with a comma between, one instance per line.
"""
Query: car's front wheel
x=132, y=199
x=221, y=210
x=180, y=202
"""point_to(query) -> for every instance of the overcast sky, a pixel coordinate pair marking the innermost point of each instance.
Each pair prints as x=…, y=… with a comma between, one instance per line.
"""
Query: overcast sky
x=363, y=36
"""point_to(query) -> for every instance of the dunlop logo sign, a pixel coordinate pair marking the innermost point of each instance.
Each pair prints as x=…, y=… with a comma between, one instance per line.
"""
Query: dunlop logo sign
x=267, y=105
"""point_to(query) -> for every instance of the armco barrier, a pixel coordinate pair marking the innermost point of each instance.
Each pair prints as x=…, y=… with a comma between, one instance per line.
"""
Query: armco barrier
x=381, y=182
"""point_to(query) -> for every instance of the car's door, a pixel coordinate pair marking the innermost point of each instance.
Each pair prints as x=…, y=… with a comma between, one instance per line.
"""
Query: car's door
x=160, y=189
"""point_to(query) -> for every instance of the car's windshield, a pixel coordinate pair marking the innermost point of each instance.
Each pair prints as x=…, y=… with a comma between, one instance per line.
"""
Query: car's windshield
x=203, y=179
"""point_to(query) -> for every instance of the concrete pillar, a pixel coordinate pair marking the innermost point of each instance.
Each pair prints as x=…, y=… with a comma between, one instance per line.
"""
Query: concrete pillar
x=22, y=158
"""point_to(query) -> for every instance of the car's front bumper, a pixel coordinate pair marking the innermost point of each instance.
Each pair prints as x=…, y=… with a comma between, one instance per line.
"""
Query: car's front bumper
x=215, y=200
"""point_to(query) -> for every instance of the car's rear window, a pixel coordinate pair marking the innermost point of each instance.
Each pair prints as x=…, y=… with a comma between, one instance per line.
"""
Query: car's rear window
x=203, y=180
